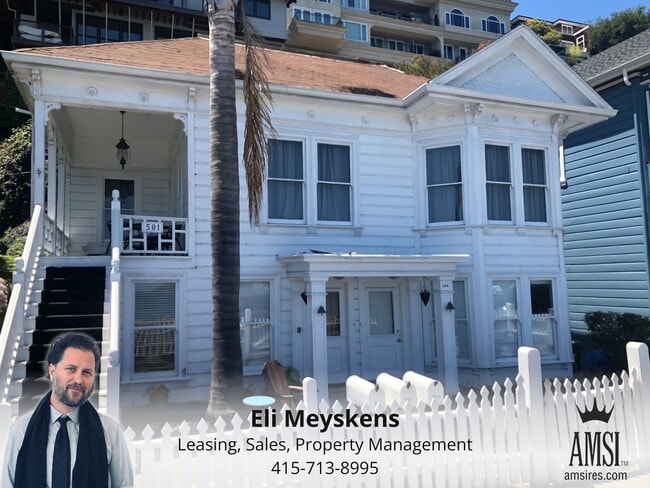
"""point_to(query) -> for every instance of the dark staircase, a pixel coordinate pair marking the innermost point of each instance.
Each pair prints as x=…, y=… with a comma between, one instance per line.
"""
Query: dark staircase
x=72, y=300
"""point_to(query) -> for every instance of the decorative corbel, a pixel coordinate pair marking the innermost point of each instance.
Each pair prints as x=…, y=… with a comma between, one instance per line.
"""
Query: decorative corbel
x=473, y=112
x=49, y=107
x=191, y=97
x=414, y=122
x=36, y=82
x=557, y=122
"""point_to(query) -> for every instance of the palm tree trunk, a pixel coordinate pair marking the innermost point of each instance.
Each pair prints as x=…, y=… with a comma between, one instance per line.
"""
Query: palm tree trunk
x=226, y=384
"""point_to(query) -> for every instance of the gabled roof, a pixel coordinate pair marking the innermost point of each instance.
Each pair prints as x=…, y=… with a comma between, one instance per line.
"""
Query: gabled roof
x=632, y=53
x=191, y=56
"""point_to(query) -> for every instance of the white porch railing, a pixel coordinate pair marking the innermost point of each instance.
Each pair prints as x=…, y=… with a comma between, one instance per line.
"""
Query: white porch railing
x=13, y=325
x=154, y=235
x=55, y=242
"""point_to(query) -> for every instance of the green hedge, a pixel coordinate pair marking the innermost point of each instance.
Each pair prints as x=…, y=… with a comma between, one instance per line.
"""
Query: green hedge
x=611, y=331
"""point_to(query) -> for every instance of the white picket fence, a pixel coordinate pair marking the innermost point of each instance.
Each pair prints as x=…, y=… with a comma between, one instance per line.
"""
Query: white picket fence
x=521, y=433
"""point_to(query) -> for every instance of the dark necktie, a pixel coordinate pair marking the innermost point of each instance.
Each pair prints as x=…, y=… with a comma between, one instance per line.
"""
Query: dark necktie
x=61, y=462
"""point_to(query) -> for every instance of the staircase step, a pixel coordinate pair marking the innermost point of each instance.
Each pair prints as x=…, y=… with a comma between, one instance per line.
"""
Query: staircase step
x=70, y=308
x=85, y=272
x=74, y=284
x=45, y=322
x=46, y=336
x=81, y=295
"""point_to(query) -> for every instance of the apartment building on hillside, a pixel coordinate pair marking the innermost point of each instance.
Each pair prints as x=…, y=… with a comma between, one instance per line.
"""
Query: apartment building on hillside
x=573, y=33
x=386, y=31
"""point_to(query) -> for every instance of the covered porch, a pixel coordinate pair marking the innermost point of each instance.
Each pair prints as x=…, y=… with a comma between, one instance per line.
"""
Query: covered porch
x=77, y=170
x=365, y=314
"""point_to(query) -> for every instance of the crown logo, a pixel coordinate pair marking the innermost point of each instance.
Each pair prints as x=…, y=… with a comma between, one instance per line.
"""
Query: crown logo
x=595, y=414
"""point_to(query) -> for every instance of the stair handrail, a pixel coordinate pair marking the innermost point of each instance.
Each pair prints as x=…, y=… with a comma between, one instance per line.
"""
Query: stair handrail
x=12, y=326
x=114, y=363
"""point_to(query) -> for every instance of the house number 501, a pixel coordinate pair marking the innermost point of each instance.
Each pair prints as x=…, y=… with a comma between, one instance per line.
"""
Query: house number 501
x=153, y=227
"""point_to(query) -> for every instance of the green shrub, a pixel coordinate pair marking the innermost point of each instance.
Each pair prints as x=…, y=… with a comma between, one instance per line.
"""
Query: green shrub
x=13, y=240
x=611, y=331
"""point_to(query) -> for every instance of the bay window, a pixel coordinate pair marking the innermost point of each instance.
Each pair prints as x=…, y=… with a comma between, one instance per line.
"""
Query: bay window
x=444, y=184
x=543, y=317
x=498, y=183
x=506, y=318
x=534, y=177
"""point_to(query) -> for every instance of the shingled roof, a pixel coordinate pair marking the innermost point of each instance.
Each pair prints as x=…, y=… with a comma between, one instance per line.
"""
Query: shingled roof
x=620, y=54
x=191, y=56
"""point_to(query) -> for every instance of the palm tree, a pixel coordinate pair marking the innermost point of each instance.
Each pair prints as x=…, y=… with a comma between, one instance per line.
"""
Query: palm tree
x=226, y=383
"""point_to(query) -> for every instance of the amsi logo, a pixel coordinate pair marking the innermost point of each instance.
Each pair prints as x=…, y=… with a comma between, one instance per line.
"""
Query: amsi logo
x=600, y=448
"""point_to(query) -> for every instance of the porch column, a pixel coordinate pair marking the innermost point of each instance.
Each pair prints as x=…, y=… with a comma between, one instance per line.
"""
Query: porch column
x=318, y=334
x=52, y=157
x=446, y=333
x=38, y=154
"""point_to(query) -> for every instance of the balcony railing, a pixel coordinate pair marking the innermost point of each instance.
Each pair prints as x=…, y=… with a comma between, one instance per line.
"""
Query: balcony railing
x=146, y=235
x=405, y=16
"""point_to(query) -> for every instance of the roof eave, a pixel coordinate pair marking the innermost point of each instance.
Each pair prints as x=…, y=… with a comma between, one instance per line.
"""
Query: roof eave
x=615, y=72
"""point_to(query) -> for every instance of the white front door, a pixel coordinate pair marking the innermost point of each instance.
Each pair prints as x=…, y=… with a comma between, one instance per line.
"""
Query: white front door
x=338, y=355
x=381, y=337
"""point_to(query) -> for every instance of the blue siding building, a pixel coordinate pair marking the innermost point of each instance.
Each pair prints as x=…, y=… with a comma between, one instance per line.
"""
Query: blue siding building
x=605, y=203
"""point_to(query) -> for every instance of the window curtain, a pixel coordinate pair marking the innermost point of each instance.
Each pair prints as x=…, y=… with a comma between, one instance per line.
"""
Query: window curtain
x=534, y=185
x=446, y=197
x=285, y=180
x=497, y=169
x=333, y=183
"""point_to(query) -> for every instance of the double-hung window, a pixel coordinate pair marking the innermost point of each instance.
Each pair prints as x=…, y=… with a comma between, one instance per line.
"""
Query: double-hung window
x=543, y=317
x=444, y=184
x=334, y=187
x=285, y=180
x=255, y=323
x=534, y=177
x=155, y=327
x=498, y=183
x=506, y=318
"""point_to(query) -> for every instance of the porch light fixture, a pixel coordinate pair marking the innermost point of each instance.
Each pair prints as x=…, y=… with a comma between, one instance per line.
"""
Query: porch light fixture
x=122, y=146
x=321, y=310
x=450, y=306
x=425, y=294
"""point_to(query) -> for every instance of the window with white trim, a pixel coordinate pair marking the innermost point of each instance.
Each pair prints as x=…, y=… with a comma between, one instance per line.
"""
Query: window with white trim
x=506, y=318
x=155, y=327
x=449, y=51
x=534, y=177
x=494, y=25
x=567, y=29
x=580, y=41
x=543, y=323
x=255, y=323
x=285, y=180
x=457, y=18
x=355, y=31
x=444, y=184
x=498, y=183
x=334, y=183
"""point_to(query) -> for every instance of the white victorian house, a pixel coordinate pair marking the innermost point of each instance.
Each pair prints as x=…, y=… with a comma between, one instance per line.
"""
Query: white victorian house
x=407, y=224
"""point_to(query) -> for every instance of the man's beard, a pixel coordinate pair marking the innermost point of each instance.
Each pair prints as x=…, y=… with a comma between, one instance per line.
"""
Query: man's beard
x=61, y=393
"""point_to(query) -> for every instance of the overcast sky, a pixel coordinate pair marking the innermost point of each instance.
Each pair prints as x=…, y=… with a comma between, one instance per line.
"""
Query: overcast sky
x=576, y=10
